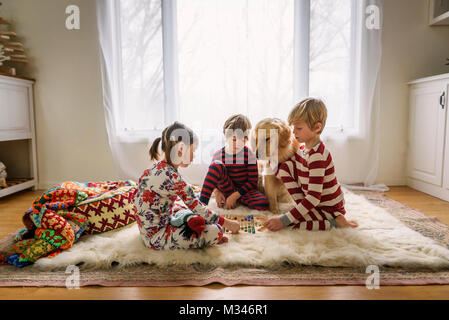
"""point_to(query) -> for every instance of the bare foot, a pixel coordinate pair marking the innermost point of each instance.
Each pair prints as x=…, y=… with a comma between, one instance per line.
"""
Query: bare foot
x=343, y=223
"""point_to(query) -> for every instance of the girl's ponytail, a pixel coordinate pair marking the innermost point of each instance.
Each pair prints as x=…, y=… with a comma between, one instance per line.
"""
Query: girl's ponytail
x=170, y=137
x=154, y=154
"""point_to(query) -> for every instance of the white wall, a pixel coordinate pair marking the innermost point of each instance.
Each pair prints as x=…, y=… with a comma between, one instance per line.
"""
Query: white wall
x=70, y=127
x=411, y=49
x=71, y=134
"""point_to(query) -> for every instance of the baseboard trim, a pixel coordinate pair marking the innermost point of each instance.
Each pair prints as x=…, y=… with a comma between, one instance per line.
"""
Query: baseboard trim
x=430, y=189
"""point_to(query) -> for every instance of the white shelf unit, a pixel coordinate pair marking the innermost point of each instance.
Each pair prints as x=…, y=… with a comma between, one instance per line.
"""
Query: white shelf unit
x=438, y=12
x=428, y=142
x=17, y=134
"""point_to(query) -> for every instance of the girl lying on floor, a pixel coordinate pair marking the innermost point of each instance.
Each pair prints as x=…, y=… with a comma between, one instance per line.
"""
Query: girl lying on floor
x=162, y=223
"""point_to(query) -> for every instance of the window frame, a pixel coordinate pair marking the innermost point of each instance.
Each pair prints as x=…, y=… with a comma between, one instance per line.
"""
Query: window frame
x=301, y=63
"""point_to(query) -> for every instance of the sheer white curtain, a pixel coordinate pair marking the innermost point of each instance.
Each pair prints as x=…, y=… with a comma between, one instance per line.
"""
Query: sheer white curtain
x=130, y=40
x=200, y=61
x=356, y=148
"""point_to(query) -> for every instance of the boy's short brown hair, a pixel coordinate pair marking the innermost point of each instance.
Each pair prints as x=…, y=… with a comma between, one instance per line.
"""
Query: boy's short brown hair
x=236, y=122
x=311, y=111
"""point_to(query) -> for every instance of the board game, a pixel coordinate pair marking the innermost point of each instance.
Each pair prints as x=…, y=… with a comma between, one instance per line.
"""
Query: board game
x=249, y=224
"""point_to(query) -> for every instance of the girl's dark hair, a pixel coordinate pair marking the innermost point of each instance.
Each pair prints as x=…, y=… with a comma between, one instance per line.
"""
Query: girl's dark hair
x=171, y=135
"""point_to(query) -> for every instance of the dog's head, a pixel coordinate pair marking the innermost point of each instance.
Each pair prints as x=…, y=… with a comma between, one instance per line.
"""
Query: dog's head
x=269, y=137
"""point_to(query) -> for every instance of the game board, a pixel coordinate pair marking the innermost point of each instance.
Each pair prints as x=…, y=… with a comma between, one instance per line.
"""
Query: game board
x=248, y=224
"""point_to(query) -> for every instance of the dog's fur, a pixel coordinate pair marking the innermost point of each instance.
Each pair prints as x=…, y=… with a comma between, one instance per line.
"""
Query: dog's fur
x=287, y=145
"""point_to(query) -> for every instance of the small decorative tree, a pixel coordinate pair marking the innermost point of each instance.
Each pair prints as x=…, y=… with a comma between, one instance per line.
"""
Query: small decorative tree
x=3, y=57
x=11, y=50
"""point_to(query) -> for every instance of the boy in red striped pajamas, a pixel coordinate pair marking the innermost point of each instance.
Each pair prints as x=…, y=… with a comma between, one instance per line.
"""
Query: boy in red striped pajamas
x=233, y=173
x=309, y=175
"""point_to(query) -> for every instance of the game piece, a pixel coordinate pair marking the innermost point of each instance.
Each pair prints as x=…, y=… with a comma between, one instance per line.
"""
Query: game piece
x=249, y=224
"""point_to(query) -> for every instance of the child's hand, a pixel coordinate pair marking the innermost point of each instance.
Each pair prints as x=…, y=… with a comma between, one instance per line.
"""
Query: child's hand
x=232, y=226
x=231, y=201
x=274, y=224
x=220, y=198
x=223, y=240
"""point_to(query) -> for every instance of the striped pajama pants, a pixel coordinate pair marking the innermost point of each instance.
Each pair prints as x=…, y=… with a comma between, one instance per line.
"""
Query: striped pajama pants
x=317, y=218
x=217, y=177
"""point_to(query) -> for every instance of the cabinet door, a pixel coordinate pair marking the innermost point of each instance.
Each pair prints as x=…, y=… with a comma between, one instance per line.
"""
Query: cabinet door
x=426, y=132
x=446, y=157
x=14, y=112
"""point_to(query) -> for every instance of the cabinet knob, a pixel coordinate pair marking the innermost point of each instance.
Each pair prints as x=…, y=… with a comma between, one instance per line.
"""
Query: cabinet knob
x=442, y=100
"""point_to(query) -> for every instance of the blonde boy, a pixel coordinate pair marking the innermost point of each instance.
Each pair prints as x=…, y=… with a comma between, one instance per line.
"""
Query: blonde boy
x=310, y=175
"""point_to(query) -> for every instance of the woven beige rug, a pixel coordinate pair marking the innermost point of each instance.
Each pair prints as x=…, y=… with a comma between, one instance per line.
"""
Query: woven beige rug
x=280, y=274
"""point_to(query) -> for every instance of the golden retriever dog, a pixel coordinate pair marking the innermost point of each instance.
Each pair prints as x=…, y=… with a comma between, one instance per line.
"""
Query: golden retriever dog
x=273, y=139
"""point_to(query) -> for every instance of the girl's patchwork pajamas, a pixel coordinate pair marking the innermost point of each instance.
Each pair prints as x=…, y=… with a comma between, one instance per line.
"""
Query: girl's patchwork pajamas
x=310, y=179
x=159, y=188
x=230, y=173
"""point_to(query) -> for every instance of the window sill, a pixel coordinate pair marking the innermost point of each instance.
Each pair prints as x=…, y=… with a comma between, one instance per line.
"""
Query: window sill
x=148, y=136
x=337, y=134
x=137, y=136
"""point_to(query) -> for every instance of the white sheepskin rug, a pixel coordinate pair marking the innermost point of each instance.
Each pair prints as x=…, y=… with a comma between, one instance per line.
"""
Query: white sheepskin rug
x=380, y=239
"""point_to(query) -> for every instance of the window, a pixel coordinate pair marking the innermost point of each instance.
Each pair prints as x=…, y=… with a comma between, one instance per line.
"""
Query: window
x=199, y=61
x=331, y=53
x=142, y=66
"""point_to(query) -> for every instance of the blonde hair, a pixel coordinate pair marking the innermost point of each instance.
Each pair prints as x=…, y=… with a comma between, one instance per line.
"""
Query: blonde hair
x=311, y=111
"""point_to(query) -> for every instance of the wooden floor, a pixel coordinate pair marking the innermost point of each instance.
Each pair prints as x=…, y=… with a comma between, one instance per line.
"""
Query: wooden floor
x=12, y=208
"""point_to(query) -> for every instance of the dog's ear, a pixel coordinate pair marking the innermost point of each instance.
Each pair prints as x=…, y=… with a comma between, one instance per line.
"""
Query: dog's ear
x=253, y=140
x=284, y=135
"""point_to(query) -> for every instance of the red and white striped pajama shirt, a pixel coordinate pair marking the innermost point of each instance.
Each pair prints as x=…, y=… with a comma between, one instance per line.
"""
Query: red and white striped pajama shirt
x=310, y=179
x=235, y=172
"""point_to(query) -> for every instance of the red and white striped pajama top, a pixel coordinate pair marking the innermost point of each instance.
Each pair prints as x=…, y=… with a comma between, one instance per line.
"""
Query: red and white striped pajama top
x=310, y=178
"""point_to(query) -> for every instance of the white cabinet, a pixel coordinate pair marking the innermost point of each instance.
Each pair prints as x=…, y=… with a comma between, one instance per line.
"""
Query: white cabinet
x=446, y=151
x=428, y=143
x=17, y=134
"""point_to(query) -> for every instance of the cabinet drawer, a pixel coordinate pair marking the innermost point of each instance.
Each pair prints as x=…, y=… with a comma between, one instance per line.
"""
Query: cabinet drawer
x=14, y=110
